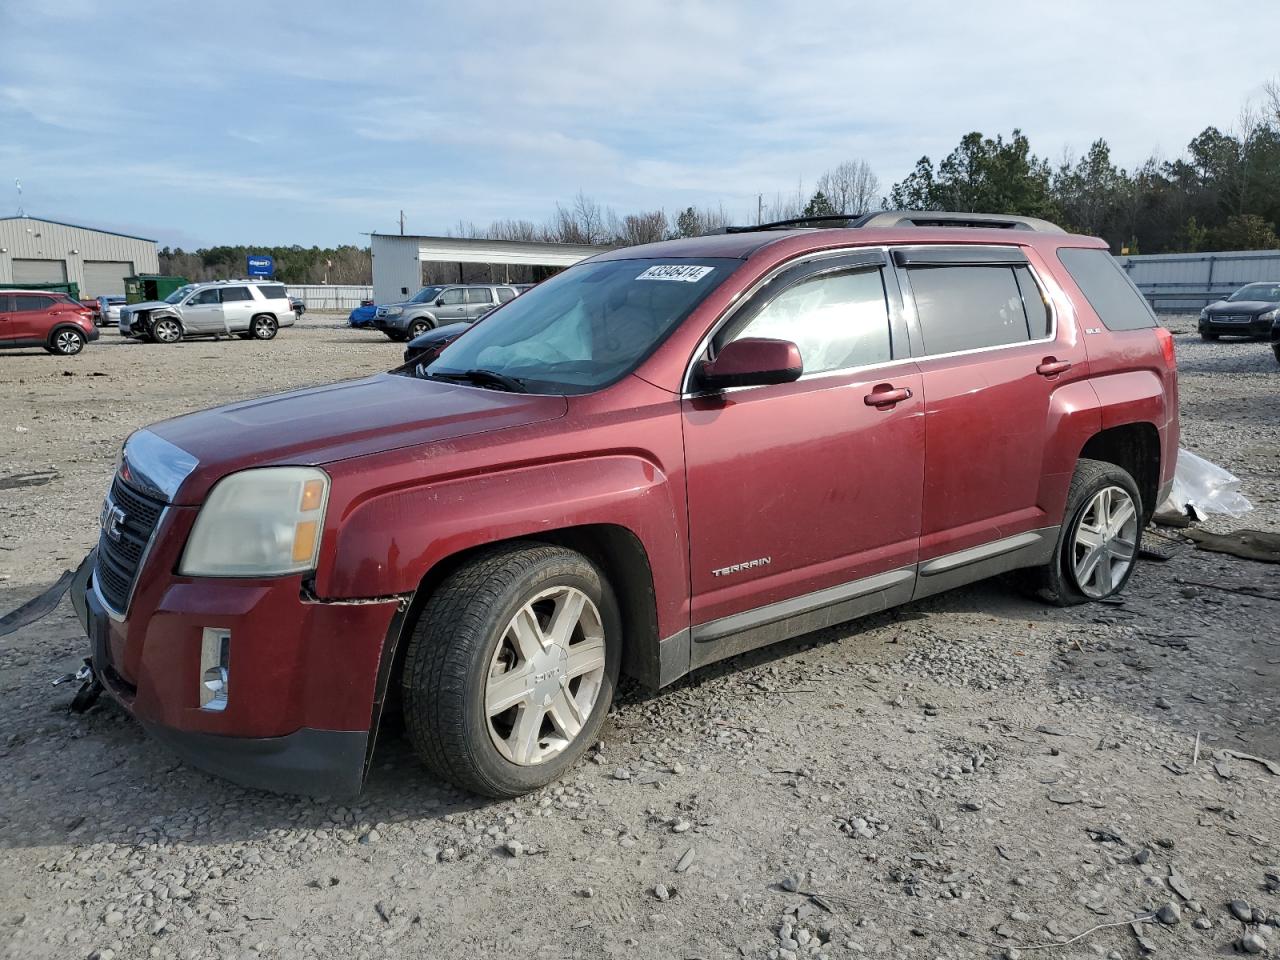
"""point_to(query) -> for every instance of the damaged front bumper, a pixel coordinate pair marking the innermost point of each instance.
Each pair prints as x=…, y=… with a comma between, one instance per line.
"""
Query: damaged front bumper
x=304, y=679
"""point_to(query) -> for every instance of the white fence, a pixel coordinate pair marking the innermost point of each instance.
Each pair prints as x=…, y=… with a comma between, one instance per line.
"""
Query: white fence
x=1185, y=282
x=330, y=296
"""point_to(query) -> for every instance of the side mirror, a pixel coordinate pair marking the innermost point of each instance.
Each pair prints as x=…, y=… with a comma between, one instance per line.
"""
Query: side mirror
x=751, y=362
x=439, y=301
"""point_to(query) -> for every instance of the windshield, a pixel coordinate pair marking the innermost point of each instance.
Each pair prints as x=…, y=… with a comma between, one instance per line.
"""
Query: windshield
x=1258, y=291
x=425, y=294
x=585, y=328
x=179, y=293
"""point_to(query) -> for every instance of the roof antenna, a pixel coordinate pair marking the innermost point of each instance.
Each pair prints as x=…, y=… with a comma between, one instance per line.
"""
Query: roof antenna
x=18, y=184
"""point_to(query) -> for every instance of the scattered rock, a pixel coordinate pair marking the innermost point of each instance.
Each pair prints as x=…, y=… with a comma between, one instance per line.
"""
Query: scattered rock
x=622, y=773
x=1169, y=914
x=686, y=860
x=1253, y=943
x=1241, y=910
x=661, y=892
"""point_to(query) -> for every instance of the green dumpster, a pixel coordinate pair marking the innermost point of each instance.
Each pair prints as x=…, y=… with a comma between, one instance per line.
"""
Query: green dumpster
x=148, y=286
x=71, y=289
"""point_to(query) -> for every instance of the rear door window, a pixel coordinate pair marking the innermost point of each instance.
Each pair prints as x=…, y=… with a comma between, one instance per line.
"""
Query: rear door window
x=1114, y=298
x=974, y=307
x=838, y=320
x=505, y=294
x=232, y=294
x=479, y=295
x=27, y=303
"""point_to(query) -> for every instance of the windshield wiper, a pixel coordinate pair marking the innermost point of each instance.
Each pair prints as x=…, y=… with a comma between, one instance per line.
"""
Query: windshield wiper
x=481, y=377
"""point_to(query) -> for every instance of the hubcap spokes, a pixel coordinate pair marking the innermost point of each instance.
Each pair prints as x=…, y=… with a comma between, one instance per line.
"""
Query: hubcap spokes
x=1105, y=542
x=67, y=343
x=545, y=676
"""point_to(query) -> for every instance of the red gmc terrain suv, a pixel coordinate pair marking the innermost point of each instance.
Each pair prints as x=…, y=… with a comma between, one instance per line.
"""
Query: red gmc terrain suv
x=662, y=457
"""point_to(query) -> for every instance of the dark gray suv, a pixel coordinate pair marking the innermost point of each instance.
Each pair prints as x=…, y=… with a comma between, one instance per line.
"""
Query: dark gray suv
x=440, y=305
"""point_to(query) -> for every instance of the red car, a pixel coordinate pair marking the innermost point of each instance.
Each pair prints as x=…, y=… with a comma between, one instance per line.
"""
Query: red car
x=662, y=457
x=32, y=318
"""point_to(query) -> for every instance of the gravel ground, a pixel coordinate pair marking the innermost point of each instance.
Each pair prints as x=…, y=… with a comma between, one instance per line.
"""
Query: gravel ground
x=973, y=775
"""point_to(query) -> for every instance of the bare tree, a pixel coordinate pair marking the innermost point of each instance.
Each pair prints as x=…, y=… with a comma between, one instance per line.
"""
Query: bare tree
x=647, y=227
x=852, y=187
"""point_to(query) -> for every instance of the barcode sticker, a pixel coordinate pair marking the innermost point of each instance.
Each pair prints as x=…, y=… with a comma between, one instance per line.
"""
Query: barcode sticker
x=681, y=272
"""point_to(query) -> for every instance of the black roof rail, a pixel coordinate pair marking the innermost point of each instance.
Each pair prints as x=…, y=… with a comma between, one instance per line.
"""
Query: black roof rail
x=915, y=218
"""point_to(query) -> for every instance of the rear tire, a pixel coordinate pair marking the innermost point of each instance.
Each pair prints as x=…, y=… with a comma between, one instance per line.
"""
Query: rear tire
x=543, y=618
x=66, y=342
x=263, y=327
x=1098, y=543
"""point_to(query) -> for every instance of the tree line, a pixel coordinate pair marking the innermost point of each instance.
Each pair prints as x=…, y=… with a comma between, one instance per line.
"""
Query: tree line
x=1221, y=193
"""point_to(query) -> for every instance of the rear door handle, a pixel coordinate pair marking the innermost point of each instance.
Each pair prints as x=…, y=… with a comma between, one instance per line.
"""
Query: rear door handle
x=1051, y=367
x=886, y=396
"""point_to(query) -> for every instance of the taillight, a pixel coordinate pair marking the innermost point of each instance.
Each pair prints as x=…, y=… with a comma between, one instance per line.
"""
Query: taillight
x=1166, y=347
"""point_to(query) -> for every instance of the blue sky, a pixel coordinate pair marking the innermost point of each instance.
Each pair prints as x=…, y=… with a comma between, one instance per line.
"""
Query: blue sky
x=311, y=123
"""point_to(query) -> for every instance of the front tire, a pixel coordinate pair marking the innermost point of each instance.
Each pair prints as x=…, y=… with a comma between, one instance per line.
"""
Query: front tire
x=166, y=330
x=263, y=327
x=1275, y=348
x=1206, y=335
x=511, y=668
x=419, y=327
x=1098, y=544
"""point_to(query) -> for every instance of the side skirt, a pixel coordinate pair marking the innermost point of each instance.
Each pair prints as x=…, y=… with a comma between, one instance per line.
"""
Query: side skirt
x=751, y=629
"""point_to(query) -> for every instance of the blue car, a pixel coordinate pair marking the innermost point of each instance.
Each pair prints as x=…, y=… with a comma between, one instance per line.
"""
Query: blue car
x=362, y=316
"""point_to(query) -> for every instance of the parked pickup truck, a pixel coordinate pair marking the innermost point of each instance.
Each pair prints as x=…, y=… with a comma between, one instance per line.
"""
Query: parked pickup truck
x=662, y=457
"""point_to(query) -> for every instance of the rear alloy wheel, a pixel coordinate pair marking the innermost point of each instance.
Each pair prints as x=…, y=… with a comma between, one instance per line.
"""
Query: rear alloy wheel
x=67, y=342
x=263, y=327
x=511, y=668
x=166, y=330
x=1097, y=547
x=419, y=327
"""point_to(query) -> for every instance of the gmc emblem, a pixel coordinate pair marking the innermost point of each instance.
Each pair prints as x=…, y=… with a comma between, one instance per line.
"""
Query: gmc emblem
x=112, y=520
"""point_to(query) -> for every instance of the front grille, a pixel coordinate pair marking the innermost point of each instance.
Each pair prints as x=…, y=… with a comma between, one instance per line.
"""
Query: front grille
x=1233, y=317
x=119, y=557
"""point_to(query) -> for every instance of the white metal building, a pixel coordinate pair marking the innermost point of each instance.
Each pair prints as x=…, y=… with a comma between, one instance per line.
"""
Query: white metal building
x=398, y=259
x=47, y=251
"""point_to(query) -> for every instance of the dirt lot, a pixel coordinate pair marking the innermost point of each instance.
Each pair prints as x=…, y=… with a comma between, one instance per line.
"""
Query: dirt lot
x=970, y=776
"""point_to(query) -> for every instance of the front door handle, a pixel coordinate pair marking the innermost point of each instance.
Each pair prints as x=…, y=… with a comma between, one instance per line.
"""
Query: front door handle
x=886, y=395
x=1052, y=366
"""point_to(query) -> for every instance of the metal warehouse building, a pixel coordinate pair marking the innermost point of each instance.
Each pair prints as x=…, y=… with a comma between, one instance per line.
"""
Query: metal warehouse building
x=46, y=251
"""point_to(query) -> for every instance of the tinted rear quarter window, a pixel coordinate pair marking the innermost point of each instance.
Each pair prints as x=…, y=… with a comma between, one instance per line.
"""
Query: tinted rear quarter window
x=1108, y=289
x=971, y=307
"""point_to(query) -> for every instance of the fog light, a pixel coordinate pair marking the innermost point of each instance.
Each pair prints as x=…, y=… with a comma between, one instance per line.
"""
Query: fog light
x=215, y=648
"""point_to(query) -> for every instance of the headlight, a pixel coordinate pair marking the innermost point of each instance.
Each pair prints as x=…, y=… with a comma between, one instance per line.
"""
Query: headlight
x=1204, y=314
x=259, y=523
x=1271, y=314
x=394, y=311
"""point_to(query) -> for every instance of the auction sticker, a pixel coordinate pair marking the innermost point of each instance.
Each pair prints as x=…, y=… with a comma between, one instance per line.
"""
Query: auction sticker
x=682, y=272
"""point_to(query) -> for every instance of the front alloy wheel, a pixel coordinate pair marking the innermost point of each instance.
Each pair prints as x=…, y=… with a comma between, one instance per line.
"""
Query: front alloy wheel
x=511, y=668
x=166, y=331
x=545, y=676
x=1106, y=542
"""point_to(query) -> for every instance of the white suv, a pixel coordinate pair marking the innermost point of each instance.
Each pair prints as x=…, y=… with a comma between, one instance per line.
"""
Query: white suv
x=249, y=309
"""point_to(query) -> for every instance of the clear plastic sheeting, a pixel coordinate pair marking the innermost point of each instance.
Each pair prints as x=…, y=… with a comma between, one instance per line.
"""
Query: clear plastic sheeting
x=1204, y=487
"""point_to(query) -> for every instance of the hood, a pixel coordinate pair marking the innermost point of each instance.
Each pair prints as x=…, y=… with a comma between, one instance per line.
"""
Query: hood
x=145, y=305
x=1242, y=306
x=357, y=418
